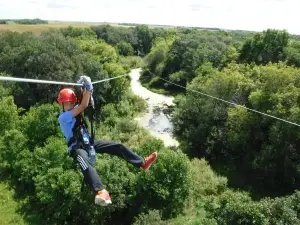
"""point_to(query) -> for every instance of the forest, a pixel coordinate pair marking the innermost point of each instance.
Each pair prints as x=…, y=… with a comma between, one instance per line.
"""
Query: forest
x=233, y=166
x=24, y=21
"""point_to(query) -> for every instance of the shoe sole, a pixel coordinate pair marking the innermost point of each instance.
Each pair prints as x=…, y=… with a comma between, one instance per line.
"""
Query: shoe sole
x=152, y=162
x=102, y=202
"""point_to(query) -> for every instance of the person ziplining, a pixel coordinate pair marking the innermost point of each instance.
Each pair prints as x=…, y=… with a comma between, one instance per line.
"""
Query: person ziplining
x=83, y=149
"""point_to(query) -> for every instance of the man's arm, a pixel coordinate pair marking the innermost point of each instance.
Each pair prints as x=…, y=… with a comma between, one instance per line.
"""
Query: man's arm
x=83, y=105
x=86, y=81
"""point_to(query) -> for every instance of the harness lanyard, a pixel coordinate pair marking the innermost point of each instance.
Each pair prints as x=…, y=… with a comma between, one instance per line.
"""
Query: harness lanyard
x=84, y=131
x=92, y=118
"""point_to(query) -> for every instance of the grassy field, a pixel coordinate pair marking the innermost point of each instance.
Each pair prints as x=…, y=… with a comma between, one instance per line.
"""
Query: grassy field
x=38, y=28
x=8, y=207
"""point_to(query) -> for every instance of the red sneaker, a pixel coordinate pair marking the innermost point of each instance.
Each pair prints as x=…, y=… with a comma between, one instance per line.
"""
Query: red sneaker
x=149, y=160
x=102, y=198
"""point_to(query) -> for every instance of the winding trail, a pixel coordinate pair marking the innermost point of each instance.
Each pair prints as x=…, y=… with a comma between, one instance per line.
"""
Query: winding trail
x=154, y=119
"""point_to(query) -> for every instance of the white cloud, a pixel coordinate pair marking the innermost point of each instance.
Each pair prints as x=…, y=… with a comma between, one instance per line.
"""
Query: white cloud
x=232, y=14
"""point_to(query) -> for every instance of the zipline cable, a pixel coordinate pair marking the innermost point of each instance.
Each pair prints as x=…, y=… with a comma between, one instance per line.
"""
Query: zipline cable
x=207, y=95
x=36, y=81
x=100, y=81
x=17, y=79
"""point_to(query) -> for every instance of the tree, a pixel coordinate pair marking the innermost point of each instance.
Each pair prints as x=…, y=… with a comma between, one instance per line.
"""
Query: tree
x=113, y=35
x=8, y=114
x=265, y=47
x=77, y=32
x=99, y=50
x=124, y=48
x=145, y=38
x=188, y=53
x=292, y=53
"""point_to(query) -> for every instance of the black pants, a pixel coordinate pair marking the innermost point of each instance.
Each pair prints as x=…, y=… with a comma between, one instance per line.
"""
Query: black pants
x=113, y=148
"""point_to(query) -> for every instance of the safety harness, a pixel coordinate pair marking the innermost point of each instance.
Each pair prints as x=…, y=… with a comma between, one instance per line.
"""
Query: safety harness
x=81, y=138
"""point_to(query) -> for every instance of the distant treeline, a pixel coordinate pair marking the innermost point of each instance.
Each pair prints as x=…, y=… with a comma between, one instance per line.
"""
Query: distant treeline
x=173, y=26
x=24, y=21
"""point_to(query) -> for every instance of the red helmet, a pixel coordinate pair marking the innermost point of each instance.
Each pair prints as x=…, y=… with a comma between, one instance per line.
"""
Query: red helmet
x=66, y=95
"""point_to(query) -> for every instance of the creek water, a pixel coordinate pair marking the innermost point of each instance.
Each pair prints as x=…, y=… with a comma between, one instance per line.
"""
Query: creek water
x=157, y=118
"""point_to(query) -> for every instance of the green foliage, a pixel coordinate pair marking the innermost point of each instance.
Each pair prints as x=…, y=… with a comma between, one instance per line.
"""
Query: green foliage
x=158, y=54
x=205, y=181
x=153, y=217
x=113, y=35
x=81, y=33
x=292, y=53
x=132, y=62
x=5, y=87
x=49, y=183
x=129, y=106
x=115, y=69
x=139, y=37
x=119, y=116
x=166, y=185
x=9, y=208
x=177, y=57
x=284, y=210
x=234, y=207
x=242, y=140
x=31, y=21
x=145, y=37
x=124, y=48
x=39, y=123
x=189, y=52
x=99, y=50
x=57, y=55
x=49, y=57
x=266, y=47
x=237, y=208
x=12, y=143
x=231, y=56
x=119, y=86
x=8, y=114
x=57, y=193
x=30, y=164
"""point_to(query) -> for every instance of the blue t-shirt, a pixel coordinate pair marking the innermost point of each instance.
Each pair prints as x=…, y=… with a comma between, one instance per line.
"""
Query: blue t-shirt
x=67, y=123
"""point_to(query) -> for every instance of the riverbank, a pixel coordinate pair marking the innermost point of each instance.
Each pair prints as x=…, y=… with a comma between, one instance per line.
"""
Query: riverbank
x=154, y=120
x=147, y=81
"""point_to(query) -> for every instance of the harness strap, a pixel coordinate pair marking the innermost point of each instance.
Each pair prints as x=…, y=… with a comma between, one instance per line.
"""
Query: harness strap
x=80, y=121
x=81, y=139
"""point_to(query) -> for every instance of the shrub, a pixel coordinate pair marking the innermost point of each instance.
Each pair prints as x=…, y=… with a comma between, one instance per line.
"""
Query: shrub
x=166, y=185
x=150, y=218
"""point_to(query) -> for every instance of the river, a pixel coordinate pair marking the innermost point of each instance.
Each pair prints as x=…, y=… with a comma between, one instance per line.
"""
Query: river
x=154, y=120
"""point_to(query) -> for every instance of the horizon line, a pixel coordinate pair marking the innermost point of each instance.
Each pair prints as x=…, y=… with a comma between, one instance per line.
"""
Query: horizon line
x=149, y=24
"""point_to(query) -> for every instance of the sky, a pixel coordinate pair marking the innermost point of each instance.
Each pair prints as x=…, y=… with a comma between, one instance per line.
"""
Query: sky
x=254, y=15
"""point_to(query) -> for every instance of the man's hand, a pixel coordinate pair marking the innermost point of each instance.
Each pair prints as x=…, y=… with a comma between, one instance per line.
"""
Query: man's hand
x=84, y=103
x=86, y=81
x=84, y=93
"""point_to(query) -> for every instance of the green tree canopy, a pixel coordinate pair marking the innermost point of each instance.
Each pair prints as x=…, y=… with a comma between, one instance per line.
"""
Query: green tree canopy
x=243, y=140
x=265, y=47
